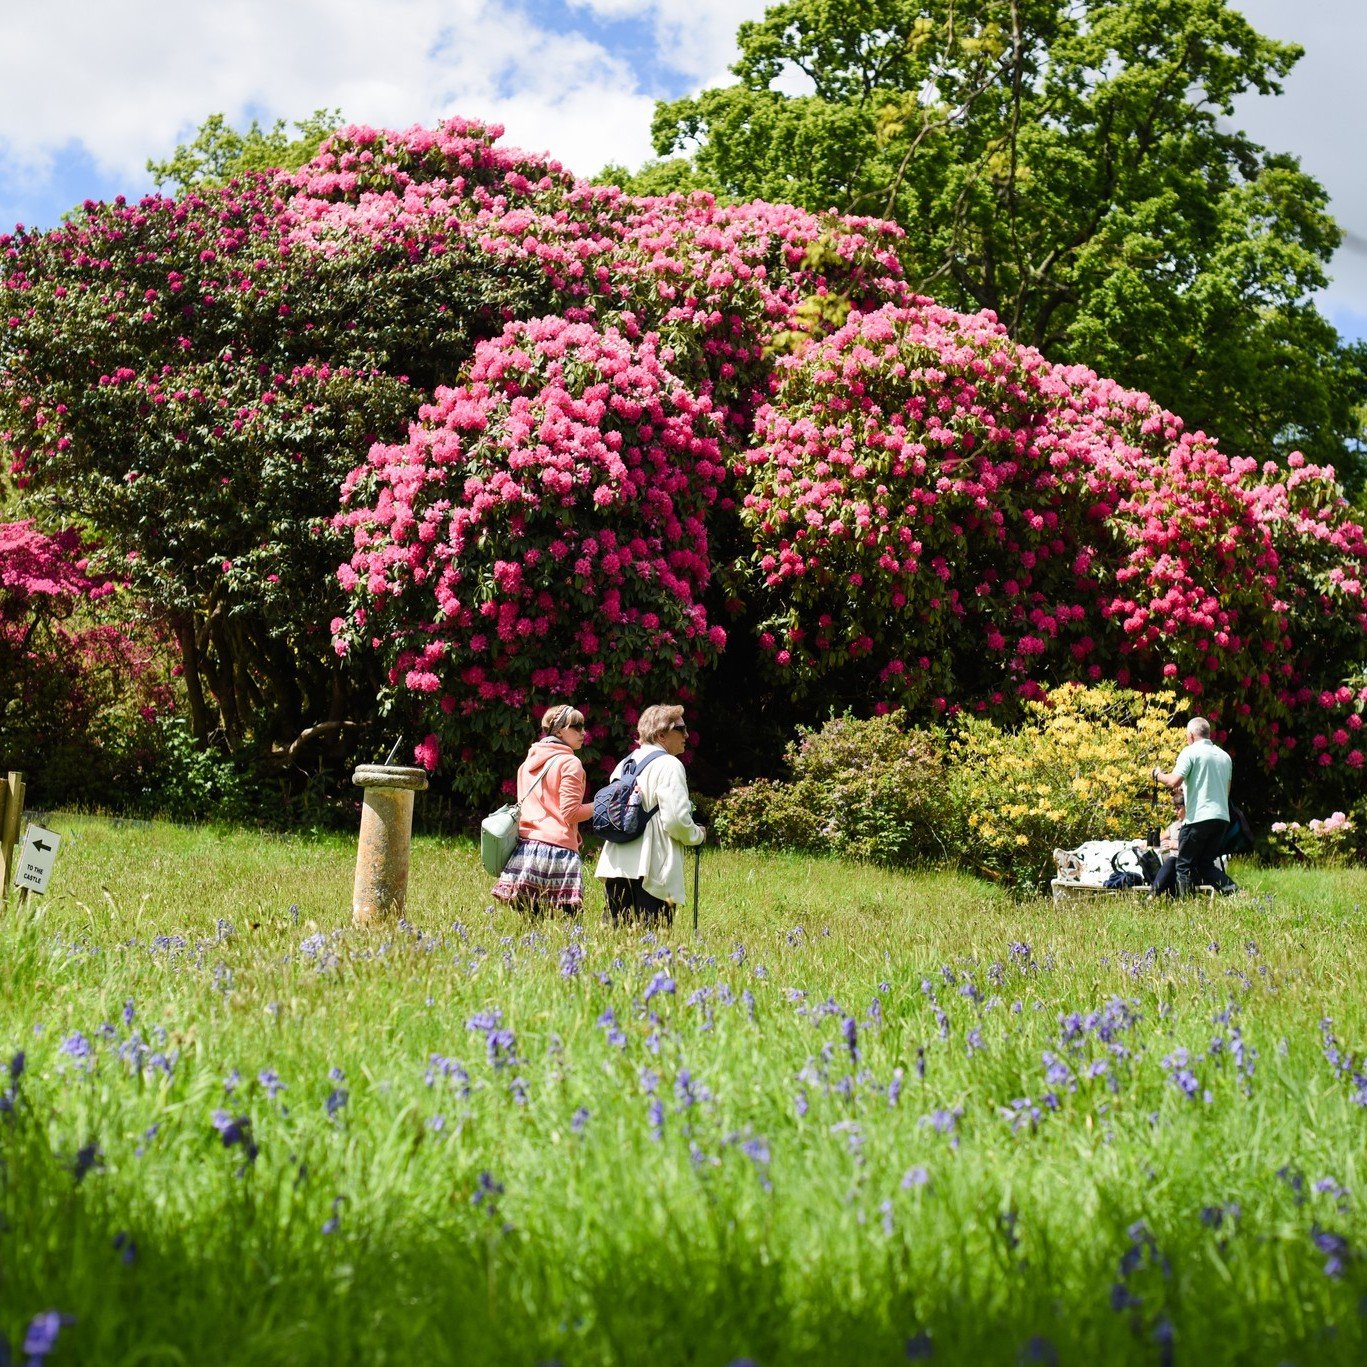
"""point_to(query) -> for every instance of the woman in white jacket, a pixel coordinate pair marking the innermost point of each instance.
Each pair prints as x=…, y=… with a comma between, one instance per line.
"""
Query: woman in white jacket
x=644, y=878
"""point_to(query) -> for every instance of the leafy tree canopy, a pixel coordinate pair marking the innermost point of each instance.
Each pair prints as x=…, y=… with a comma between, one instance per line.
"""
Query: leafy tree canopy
x=218, y=152
x=1070, y=165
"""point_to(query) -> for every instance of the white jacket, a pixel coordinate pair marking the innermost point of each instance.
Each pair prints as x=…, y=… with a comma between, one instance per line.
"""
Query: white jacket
x=657, y=856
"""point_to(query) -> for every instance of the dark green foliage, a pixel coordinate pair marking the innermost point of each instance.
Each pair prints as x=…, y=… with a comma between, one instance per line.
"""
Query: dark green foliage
x=868, y=789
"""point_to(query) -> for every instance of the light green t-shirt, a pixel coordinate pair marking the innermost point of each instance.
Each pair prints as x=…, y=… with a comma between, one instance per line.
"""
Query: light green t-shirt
x=1206, y=771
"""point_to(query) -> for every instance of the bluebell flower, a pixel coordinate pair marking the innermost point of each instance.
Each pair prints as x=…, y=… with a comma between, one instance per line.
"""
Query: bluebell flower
x=885, y=1209
x=1039, y=1350
x=915, y=1177
x=800, y=1103
x=16, y=1066
x=661, y=982
x=921, y=1061
x=579, y=1119
x=571, y=959
x=77, y=1046
x=920, y=1347
x=650, y=1080
x=334, y=1223
x=88, y=1156
x=655, y=1114
x=230, y=1082
x=850, y=1028
x=270, y=1080
x=895, y=1087
x=518, y=1088
x=1122, y=1298
x=41, y=1337
x=125, y=1247
x=487, y=1192
x=1335, y=1248
x=337, y=1098
x=235, y=1130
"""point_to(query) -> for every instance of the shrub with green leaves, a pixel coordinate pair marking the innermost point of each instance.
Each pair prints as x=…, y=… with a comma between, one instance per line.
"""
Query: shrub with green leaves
x=869, y=789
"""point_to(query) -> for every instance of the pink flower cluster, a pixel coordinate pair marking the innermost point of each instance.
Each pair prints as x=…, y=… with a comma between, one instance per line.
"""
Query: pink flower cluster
x=942, y=518
x=542, y=534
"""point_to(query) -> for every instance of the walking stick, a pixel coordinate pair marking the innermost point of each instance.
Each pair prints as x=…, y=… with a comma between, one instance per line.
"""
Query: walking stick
x=697, y=869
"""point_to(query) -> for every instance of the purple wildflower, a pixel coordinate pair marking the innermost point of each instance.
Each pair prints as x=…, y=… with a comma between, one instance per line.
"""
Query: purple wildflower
x=88, y=1156
x=895, y=1087
x=915, y=1177
x=580, y=1119
x=1334, y=1247
x=661, y=982
x=337, y=1098
x=487, y=1192
x=125, y=1247
x=655, y=1114
x=235, y=1130
x=41, y=1337
x=77, y=1046
x=270, y=1080
x=850, y=1028
x=920, y=1347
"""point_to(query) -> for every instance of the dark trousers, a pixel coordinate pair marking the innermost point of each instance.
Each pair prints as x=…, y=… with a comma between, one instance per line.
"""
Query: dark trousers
x=1197, y=844
x=630, y=904
x=1165, y=880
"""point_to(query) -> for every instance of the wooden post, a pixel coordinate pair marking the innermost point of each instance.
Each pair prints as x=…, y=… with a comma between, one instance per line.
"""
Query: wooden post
x=11, y=813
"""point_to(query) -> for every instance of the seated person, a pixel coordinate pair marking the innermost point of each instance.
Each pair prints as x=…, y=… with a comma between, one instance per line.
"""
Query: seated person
x=1165, y=880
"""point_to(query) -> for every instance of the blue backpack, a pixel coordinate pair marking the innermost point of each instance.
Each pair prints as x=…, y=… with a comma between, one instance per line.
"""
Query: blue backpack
x=618, y=813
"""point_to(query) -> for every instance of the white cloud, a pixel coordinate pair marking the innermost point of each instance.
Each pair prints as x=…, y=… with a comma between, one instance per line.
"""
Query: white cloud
x=694, y=37
x=127, y=81
x=116, y=83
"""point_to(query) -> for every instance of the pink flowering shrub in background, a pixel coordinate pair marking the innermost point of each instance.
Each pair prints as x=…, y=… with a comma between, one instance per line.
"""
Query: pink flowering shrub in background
x=943, y=519
x=626, y=448
x=80, y=700
x=542, y=534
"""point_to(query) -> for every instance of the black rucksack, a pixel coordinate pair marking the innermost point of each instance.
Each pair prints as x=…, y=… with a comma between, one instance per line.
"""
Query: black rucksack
x=1238, y=839
x=618, y=813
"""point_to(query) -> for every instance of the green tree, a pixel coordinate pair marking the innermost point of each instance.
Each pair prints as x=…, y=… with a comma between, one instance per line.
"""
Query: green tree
x=1070, y=165
x=218, y=152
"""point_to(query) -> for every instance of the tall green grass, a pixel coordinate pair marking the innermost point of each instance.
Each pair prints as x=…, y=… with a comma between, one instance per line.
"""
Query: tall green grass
x=742, y=1161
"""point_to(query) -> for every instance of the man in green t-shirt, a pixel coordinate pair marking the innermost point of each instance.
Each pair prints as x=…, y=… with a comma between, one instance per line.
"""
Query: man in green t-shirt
x=1205, y=770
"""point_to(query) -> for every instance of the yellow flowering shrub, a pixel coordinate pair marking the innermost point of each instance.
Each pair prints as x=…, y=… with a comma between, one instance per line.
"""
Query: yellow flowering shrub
x=1076, y=768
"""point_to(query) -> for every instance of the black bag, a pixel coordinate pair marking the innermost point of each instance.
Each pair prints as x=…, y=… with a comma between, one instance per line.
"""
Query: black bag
x=1124, y=878
x=1150, y=861
x=1238, y=839
x=618, y=814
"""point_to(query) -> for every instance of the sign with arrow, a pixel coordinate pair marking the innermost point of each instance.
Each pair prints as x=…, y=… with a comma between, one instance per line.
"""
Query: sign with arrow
x=33, y=867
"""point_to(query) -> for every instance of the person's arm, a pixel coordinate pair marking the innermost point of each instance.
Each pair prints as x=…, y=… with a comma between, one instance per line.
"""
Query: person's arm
x=675, y=812
x=573, y=808
x=1174, y=779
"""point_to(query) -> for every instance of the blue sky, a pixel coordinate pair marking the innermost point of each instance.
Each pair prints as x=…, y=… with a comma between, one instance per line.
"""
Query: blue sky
x=88, y=91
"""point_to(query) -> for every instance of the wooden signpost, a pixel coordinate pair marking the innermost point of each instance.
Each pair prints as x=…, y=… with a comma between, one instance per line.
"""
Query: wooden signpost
x=11, y=812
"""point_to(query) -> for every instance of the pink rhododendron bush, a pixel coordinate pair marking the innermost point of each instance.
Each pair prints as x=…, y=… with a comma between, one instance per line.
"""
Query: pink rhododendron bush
x=941, y=517
x=79, y=699
x=542, y=535
x=563, y=441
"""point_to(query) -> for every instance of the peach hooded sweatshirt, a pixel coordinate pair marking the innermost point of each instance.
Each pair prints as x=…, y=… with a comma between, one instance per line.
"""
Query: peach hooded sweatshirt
x=552, y=809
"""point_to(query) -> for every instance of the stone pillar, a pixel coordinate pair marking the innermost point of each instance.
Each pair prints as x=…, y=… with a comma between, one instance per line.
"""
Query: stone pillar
x=386, y=833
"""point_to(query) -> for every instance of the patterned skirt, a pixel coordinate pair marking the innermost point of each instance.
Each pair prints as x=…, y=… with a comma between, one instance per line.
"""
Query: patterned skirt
x=538, y=873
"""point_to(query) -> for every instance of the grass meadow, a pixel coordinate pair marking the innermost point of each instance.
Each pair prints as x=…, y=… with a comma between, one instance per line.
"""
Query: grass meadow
x=862, y=1117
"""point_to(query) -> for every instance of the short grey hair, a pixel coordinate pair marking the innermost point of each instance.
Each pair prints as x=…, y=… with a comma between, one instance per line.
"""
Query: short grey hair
x=1199, y=727
x=656, y=722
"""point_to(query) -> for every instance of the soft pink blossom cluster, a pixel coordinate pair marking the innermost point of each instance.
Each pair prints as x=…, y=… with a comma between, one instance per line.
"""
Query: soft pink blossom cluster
x=542, y=534
x=942, y=518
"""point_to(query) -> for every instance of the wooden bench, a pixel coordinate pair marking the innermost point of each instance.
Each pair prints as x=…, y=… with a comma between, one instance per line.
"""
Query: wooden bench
x=1064, y=890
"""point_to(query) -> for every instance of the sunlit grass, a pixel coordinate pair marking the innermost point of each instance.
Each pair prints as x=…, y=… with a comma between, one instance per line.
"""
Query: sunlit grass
x=685, y=1150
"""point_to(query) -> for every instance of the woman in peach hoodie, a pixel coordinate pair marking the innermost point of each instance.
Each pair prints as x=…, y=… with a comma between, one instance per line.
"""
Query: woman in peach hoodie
x=544, y=871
